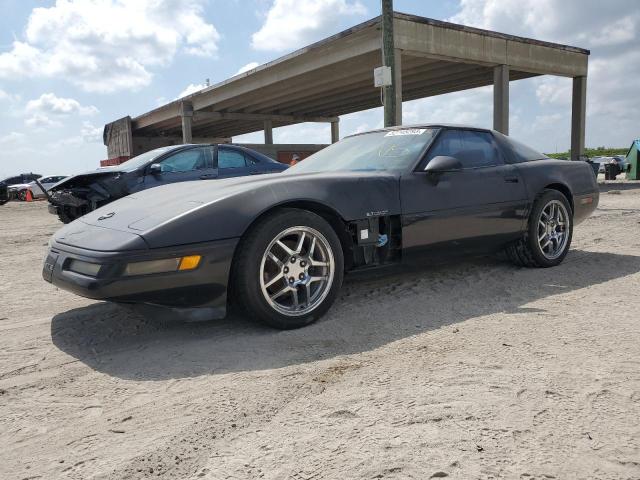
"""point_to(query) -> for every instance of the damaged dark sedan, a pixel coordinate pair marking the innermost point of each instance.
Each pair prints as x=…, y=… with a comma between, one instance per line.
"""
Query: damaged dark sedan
x=279, y=245
x=83, y=193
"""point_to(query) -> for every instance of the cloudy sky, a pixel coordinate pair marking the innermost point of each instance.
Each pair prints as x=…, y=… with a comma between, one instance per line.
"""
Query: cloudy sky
x=67, y=67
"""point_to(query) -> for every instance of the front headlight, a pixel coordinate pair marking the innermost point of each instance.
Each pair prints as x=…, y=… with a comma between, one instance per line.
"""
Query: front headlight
x=162, y=266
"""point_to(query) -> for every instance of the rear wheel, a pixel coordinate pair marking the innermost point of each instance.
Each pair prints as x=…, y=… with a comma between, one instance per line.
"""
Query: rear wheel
x=549, y=233
x=289, y=269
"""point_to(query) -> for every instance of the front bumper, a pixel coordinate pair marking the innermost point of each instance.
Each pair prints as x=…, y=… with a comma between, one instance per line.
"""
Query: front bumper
x=191, y=292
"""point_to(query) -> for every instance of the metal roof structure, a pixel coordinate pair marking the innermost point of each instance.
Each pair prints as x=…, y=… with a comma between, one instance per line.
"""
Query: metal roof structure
x=334, y=76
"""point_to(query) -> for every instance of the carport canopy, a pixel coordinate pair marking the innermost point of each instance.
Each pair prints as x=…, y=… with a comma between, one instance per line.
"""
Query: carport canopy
x=334, y=77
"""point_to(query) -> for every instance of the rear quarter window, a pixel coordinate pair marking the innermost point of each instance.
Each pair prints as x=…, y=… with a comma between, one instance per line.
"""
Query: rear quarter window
x=522, y=153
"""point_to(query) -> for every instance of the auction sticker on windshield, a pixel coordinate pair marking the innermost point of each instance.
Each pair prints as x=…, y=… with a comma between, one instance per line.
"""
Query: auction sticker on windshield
x=408, y=131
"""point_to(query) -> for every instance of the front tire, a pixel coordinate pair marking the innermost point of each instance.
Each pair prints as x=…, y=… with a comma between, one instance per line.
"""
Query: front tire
x=549, y=233
x=289, y=269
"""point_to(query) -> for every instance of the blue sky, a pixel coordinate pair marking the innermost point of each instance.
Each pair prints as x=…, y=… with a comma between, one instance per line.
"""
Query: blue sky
x=67, y=67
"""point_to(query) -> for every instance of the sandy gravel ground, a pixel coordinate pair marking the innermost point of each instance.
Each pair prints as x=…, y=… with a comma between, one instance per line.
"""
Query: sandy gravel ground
x=472, y=370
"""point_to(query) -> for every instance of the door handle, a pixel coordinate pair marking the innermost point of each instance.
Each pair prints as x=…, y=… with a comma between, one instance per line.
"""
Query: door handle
x=511, y=179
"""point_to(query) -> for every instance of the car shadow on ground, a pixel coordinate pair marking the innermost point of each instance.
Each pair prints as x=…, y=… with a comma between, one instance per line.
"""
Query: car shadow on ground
x=372, y=311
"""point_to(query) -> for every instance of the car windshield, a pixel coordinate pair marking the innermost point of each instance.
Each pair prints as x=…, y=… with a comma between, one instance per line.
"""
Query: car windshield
x=141, y=159
x=382, y=150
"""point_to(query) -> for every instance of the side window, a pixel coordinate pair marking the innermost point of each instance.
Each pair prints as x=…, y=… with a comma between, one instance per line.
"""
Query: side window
x=185, y=161
x=250, y=160
x=448, y=144
x=230, y=158
x=480, y=150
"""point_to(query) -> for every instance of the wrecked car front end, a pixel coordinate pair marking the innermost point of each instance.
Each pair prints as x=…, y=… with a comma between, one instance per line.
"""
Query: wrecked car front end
x=81, y=194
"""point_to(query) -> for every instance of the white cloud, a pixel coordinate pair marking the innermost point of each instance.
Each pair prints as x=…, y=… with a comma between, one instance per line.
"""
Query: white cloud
x=291, y=24
x=192, y=88
x=108, y=45
x=46, y=110
x=12, y=138
x=554, y=91
x=90, y=133
x=51, y=104
x=247, y=67
x=470, y=107
x=39, y=120
x=8, y=97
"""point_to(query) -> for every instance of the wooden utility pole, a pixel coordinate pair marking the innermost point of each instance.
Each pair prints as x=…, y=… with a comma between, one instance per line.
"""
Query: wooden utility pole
x=388, y=60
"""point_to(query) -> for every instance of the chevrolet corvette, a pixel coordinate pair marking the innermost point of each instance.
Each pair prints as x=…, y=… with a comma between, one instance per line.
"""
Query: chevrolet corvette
x=279, y=245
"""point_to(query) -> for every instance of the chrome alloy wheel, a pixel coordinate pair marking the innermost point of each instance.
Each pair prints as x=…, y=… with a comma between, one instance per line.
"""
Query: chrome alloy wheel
x=553, y=229
x=297, y=270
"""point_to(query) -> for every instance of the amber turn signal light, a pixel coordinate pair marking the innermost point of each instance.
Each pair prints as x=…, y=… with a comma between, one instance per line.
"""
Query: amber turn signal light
x=190, y=262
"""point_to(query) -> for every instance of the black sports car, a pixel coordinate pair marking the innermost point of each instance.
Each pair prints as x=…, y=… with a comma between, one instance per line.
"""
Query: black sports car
x=280, y=244
x=80, y=194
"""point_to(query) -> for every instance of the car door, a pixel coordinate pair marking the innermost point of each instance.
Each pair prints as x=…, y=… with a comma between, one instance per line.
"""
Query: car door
x=233, y=163
x=184, y=165
x=475, y=207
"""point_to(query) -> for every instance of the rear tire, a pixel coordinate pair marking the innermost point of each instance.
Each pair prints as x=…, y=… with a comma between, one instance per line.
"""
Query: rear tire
x=288, y=269
x=549, y=233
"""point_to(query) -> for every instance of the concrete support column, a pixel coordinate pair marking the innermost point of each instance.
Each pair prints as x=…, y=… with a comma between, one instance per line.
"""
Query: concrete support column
x=388, y=59
x=268, y=132
x=186, y=113
x=578, y=116
x=501, y=99
x=397, y=82
x=335, y=131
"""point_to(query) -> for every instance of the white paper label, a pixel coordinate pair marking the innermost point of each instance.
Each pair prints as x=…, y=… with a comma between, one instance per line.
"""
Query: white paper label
x=364, y=234
x=408, y=131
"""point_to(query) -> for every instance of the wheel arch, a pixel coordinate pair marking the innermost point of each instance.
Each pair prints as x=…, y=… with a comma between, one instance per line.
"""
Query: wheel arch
x=333, y=218
x=563, y=189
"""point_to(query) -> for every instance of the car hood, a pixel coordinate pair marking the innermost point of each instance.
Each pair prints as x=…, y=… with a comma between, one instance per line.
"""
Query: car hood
x=83, y=178
x=191, y=212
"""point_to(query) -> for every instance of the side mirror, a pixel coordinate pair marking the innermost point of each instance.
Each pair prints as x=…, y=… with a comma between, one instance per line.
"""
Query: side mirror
x=155, y=169
x=442, y=164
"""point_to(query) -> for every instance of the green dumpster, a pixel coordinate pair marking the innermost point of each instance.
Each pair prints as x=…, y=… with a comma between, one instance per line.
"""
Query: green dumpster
x=633, y=172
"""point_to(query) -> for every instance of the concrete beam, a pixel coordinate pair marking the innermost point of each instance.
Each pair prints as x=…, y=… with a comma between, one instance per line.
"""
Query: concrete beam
x=461, y=44
x=186, y=114
x=268, y=132
x=501, y=99
x=578, y=117
x=335, y=131
x=202, y=115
